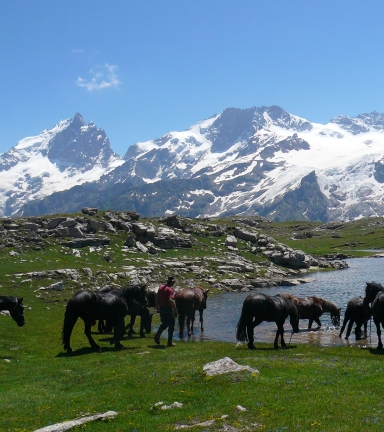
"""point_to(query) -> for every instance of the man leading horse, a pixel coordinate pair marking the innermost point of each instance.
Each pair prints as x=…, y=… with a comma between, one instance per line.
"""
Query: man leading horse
x=168, y=312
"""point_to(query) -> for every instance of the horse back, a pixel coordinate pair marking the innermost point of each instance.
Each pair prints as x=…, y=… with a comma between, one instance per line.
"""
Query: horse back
x=187, y=301
x=96, y=306
x=357, y=310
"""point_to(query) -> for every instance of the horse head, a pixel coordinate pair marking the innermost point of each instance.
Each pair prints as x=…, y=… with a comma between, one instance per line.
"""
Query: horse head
x=335, y=317
x=17, y=312
x=205, y=296
x=146, y=319
x=371, y=290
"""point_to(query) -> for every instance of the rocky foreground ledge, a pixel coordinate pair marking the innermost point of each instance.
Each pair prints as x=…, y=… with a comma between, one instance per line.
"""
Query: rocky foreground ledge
x=214, y=253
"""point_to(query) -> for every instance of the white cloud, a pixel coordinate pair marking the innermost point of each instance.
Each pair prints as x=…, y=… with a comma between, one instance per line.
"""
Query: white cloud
x=104, y=77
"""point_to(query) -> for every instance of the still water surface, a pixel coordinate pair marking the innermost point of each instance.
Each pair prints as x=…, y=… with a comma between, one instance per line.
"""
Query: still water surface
x=223, y=310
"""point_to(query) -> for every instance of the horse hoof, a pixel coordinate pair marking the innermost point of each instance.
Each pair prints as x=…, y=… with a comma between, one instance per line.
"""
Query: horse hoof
x=251, y=347
x=119, y=346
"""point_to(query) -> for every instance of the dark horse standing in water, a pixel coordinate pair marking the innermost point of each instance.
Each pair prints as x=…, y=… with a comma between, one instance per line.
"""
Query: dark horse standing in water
x=15, y=308
x=356, y=312
x=374, y=293
x=92, y=306
x=261, y=307
x=311, y=308
x=188, y=301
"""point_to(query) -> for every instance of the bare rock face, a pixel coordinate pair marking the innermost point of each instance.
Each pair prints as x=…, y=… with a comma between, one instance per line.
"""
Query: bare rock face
x=89, y=211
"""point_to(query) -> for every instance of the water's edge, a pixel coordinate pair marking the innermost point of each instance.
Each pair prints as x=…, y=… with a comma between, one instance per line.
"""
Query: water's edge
x=223, y=310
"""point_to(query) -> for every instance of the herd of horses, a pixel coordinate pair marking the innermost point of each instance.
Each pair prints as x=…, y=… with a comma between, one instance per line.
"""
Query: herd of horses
x=110, y=306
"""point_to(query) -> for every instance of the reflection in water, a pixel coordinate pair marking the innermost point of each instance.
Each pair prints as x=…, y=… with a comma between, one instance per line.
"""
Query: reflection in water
x=223, y=310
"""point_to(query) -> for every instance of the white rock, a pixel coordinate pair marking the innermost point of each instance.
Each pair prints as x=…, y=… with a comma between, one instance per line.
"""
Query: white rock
x=225, y=365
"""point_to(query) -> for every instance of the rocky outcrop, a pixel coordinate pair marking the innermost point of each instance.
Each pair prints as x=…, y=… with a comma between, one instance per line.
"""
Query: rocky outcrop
x=224, y=267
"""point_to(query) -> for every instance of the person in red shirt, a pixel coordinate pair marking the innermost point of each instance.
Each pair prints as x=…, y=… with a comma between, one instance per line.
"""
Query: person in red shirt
x=168, y=312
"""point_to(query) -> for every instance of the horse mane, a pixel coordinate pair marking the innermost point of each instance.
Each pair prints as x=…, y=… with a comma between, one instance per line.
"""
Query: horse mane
x=290, y=301
x=372, y=289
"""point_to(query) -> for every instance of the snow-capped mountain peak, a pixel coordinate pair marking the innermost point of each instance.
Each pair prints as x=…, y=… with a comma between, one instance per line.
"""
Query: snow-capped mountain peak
x=69, y=154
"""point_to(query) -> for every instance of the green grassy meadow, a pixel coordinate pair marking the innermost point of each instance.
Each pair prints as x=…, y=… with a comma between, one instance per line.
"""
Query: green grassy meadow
x=303, y=388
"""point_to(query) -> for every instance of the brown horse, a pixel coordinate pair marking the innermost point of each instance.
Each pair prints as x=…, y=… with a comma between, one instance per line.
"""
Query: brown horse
x=188, y=301
x=311, y=308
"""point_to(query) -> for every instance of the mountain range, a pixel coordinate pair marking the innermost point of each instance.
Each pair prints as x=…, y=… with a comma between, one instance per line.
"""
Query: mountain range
x=259, y=160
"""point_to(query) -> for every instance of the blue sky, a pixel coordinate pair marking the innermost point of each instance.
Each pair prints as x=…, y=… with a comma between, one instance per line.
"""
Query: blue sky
x=139, y=69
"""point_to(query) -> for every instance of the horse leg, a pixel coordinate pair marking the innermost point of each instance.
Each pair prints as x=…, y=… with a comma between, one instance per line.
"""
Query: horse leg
x=250, y=326
x=181, y=324
x=87, y=331
x=69, y=323
x=349, y=329
x=130, y=325
x=378, y=331
x=310, y=324
x=201, y=321
x=343, y=327
x=192, y=321
x=101, y=326
x=317, y=321
x=358, y=330
x=142, y=335
x=279, y=331
x=119, y=331
x=189, y=325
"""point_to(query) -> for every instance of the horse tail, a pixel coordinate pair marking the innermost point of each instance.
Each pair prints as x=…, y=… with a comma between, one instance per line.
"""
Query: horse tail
x=69, y=322
x=241, y=330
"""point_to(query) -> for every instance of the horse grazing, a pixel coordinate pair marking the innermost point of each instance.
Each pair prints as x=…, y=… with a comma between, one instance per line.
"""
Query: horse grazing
x=138, y=300
x=188, y=301
x=374, y=292
x=144, y=313
x=261, y=307
x=356, y=312
x=311, y=308
x=91, y=306
x=15, y=308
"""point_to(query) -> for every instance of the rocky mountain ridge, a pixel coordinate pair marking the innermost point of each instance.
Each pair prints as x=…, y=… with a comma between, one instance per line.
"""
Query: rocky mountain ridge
x=261, y=161
x=67, y=155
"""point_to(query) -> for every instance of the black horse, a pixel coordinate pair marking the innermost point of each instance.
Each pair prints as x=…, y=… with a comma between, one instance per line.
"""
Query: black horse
x=91, y=306
x=374, y=293
x=143, y=299
x=144, y=313
x=15, y=308
x=188, y=301
x=359, y=313
x=261, y=307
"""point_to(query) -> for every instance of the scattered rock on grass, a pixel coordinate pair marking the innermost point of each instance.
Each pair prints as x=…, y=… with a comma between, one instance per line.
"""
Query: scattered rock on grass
x=61, y=427
x=225, y=365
